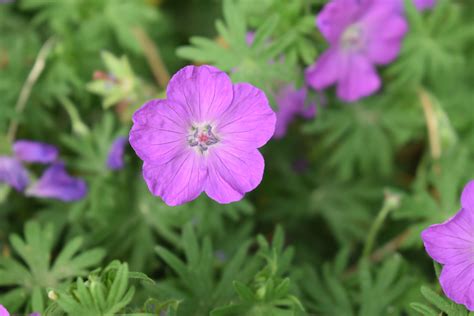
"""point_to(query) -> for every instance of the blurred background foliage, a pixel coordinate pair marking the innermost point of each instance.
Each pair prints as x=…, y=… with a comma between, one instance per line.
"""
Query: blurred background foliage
x=298, y=244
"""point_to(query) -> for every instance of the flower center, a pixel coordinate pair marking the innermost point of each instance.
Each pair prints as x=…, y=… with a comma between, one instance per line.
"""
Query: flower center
x=353, y=38
x=201, y=137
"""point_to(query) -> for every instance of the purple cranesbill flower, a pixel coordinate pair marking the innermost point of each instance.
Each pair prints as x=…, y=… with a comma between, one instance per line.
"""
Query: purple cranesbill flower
x=203, y=137
x=116, y=153
x=361, y=34
x=56, y=183
x=32, y=151
x=13, y=173
x=291, y=102
x=3, y=311
x=452, y=244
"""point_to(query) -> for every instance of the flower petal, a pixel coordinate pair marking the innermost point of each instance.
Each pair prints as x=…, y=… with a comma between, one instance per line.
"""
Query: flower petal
x=179, y=180
x=325, y=71
x=467, y=196
x=249, y=122
x=232, y=173
x=13, y=173
x=3, y=310
x=451, y=242
x=31, y=151
x=336, y=16
x=457, y=281
x=204, y=91
x=56, y=183
x=359, y=79
x=383, y=47
x=159, y=131
x=290, y=103
x=116, y=153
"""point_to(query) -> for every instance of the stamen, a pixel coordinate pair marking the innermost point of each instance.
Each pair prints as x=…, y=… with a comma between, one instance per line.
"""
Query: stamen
x=202, y=137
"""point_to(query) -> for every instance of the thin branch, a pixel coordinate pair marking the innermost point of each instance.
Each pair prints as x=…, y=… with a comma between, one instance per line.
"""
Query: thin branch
x=431, y=124
x=153, y=57
x=25, y=92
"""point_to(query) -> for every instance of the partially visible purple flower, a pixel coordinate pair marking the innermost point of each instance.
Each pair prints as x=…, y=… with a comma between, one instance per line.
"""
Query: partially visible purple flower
x=249, y=38
x=3, y=311
x=204, y=137
x=452, y=244
x=116, y=153
x=56, y=183
x=291, y=102
x=361, y=34
x=35, y=314
x=31, y=151
x=13, y=173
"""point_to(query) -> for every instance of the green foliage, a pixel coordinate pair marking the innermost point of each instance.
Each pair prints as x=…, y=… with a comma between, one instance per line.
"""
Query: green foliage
x=269, y=291
x=196, y=285
x=36, y=271
x=337, y=290
x=105, y=292
x=322, y=185
x=243, y=60
x=439, y=305
x=433, y=48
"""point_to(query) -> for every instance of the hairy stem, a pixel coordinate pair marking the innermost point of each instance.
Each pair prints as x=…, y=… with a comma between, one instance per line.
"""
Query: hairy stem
x=390, y=203
x=25, y=92
x=431, y=124
x=153, y=57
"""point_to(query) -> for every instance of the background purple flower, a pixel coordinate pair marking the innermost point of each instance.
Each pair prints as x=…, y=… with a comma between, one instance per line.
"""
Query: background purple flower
x=115, y=157
x=13, y=173
x=452, y=244
x=361, y=34
x=31, y=151
x=291, y=102
x=204, y=137
x=56, y=183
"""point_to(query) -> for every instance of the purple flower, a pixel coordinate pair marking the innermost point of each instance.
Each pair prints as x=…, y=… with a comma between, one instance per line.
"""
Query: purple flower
x=3, y=311
x=13, y=173
x=57, y=184
x=361, y=34
x=249, y=38
x=452, y=244
x=203, y=137
x=31, y=151
x=291, y=102
x=116, y=153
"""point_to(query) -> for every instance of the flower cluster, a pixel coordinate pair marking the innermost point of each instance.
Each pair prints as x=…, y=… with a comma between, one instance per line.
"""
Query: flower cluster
x=452, y=244
x=203, y=138
x=55, y=182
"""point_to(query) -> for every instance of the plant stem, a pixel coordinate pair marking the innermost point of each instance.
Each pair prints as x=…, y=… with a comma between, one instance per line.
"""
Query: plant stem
x=153, y=57
x=431, y=124
x=388, y=205
x=25, y=92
